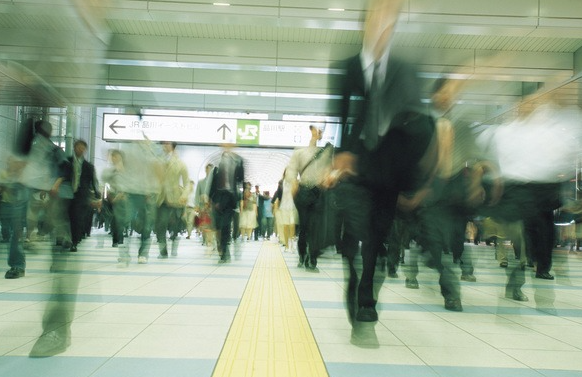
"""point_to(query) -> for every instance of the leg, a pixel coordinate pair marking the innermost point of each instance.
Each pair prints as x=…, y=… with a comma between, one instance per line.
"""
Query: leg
x=352, y=207
x=434, y=239
x=380, y=216
x=162, y=220
x=145, y=207
x=12, y=213
x=304, y=217
x=516, y=278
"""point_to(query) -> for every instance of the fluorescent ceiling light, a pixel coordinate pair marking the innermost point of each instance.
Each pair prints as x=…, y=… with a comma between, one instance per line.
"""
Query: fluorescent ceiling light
x=221, y=4
x=206, y=114
x=336, y=9
x=221, y=92
x=310, y=118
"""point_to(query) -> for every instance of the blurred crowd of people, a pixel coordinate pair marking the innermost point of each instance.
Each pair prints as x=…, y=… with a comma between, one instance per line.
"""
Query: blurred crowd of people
x=396, y=183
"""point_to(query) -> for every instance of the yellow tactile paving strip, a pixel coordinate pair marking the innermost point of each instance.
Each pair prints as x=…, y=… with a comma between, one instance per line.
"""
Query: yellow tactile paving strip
x=270, y=334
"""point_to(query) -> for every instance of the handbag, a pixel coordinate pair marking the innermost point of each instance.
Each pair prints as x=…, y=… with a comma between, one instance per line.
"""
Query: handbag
x=306, y=196
x=324, y=222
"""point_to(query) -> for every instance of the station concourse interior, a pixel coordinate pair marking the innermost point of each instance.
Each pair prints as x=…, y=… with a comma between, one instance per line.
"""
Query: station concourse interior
x=98, y=69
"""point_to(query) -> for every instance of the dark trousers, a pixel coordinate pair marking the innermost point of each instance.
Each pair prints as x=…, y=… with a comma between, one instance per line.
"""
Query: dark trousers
x=539, y=235
x=457, y=241
x=259, y=230
x=12, y=215
x=351, y=205
x=235, y=225
x=306, y=204
x=224, y=203
x=433, y=238
x=88, y=222
x=5, y=221
x=78, y=212
x=382, y=212
x=397, y=241
x=168, y=219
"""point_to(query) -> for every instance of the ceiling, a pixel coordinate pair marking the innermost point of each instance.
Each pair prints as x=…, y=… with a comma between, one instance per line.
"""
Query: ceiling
x=278, y=56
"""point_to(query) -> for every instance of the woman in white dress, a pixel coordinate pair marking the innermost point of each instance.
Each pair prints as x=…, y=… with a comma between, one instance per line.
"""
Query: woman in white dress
x=248, y=213
x=288, y=216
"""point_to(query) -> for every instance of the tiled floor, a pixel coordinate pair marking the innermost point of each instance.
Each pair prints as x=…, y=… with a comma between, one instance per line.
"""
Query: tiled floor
x=173, y=317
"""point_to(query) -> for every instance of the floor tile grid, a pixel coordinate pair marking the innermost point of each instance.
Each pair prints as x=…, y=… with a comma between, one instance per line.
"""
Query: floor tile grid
x=490, y=291
x=448, y=316
x=114, y=299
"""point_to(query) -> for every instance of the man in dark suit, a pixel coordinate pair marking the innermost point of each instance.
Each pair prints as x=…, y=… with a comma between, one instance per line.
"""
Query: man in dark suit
x=227, y=177
x=85, y=186
x=260, y=201
x=382, y=151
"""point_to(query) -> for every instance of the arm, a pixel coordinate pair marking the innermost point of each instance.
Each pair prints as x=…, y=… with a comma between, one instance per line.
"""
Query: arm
x=409, y=204
x=292, y=172
x=55, y=188
x=95, y=182
x=345, y=160
x=476, y=194
x=64, y=169
x=185, y=184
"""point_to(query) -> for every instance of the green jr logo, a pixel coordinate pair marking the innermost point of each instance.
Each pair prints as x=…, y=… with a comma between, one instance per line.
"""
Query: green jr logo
x=247, y=132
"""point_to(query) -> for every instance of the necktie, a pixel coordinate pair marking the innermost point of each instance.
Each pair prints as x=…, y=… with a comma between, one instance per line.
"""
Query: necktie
x=371, y=126
x=226, y=169
x=76, y=174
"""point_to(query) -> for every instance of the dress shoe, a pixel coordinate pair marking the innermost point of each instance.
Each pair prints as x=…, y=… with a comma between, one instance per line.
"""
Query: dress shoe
x=142, y=260
x=453, y=304
x=301, y=262
x=14, y=273
x=411, y=283
x=516, y=295
x=312, y=269
x=544, y=275
x=392, y=273
x=503, y=264
x=469, y=277
x=73, y=249
x=163, y=256
x=364, y=336
x=124, y=261
x=50, y=344
x=367, y=314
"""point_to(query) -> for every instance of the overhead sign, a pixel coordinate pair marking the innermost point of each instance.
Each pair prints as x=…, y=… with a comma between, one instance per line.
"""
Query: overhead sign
x=215, y=131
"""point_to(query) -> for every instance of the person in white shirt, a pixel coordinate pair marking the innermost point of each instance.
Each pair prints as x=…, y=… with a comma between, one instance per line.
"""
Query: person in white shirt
x=305, y=174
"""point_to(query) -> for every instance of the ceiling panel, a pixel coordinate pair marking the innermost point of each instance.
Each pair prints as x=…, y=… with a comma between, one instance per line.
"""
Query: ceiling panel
x=513, y=8
x=570, y=9
x=273, y=52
